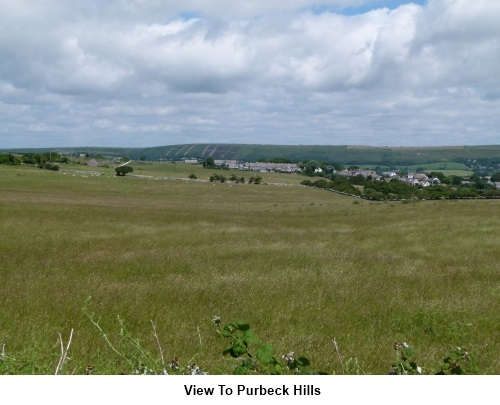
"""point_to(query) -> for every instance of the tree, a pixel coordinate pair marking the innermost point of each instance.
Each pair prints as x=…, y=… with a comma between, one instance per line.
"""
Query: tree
x=456, y=180
x=311, y=167
x=438, y=175
x=495, y=177
x=209, y=163
x=9, y=159
x=123, y=170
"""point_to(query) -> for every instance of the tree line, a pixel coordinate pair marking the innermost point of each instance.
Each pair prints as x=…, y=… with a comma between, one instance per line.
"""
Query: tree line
x=48, y=160
x=449, y=187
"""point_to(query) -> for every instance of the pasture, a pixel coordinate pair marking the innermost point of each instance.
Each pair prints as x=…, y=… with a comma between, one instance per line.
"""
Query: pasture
x=302, y=266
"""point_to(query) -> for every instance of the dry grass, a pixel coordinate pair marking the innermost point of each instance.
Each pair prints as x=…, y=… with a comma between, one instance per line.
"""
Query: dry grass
x=302, y=266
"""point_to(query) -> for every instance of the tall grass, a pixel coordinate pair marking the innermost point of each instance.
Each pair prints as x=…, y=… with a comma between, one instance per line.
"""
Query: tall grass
x=302, y=266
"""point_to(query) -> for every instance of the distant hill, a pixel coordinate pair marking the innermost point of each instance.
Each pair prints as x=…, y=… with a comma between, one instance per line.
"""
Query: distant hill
x=343, y=154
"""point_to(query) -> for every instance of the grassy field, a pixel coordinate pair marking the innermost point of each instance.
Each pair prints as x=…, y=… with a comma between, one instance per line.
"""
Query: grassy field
x=302, y=266
x=447, y=168
x=183, y=170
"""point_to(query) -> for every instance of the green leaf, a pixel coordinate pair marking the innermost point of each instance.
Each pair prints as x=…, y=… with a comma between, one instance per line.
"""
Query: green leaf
x=250, y=337
x=246, y=367
x=242, y=326
x=265, y=354
x=225, y=333
x=241, y=371
x=303, y=361
x=238, y=350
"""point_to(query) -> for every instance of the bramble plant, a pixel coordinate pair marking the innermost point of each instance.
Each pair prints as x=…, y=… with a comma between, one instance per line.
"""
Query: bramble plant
x=458, y=362
x=261, y=360
x=404, y=364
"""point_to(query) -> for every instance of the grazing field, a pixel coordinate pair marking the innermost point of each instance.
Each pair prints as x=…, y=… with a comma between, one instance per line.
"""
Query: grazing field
x=447, y=168
x=183, y=170
x=302, y=266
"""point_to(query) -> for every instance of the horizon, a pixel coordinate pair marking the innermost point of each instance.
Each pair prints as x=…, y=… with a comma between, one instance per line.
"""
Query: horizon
x=251, y=144
x=333, y=72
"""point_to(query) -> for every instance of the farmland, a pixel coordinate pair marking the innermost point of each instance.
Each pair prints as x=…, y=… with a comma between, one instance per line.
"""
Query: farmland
x=301, y=265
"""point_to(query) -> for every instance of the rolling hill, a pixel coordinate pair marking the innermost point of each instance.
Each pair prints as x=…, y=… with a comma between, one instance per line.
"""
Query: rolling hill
x=343, y=154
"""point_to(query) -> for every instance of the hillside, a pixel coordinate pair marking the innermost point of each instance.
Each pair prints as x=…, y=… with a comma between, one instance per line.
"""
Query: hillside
x=343, y=154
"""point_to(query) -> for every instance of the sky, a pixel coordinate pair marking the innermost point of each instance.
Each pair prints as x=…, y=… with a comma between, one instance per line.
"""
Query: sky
x=139, y=73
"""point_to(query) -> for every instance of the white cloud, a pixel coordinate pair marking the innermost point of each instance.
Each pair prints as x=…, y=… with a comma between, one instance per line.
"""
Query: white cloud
x=259, y=71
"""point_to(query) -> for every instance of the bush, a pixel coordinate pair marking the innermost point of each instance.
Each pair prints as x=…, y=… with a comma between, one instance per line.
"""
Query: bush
x=255, y=180
x=123, y=170
x=49, y=166
x=217, y=177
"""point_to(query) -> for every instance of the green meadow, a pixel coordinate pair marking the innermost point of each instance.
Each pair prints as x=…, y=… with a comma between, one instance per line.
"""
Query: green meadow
x=302, y=266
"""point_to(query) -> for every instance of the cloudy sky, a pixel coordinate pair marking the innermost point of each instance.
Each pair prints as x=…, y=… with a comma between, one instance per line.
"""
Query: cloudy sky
x=159, y=72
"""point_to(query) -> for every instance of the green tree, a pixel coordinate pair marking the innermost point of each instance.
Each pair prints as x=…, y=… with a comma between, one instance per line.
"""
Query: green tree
x=209, y=163
x=311, y=166
x=123, y=170
x=456, y=180
x=495, y=177
x=438, y=175
x=9, y=159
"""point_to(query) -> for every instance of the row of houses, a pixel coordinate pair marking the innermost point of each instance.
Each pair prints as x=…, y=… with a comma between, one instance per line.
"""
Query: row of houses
x=253, y=166
x=414, y=179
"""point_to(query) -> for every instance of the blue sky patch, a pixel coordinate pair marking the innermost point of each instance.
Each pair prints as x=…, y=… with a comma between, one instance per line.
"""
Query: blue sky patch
x=372, y=5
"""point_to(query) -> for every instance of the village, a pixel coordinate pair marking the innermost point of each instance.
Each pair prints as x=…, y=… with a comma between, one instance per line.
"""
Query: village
x=410, y=178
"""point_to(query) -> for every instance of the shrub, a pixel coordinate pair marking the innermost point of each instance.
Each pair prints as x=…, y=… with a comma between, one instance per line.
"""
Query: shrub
x=217, y=177
x=49, y=166
x=255, y=180
x=123, y=170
